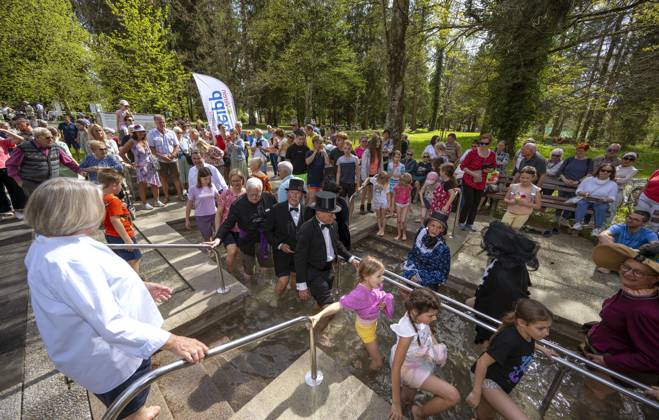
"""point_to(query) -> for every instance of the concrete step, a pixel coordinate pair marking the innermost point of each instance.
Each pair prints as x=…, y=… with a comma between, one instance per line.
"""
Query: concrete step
x=191, y=394
x=340, y=396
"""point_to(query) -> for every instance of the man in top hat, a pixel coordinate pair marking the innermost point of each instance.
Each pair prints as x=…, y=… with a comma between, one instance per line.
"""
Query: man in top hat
x=281, y=227
x=626, y=338
x=317, y=247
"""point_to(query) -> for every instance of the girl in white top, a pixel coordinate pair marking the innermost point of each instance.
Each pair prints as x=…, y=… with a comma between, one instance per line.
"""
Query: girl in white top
x=380, y=184
x=414, y=357
x=97, y=318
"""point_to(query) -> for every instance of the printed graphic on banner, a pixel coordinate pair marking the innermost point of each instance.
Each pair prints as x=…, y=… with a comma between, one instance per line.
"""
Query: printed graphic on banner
x=217, y=100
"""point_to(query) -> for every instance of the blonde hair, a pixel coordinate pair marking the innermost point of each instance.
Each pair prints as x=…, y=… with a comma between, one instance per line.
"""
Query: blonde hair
x=405, y=179
x=238, y=173
x=369, y=266
x=54, y=207
x=202, y=146
x=256, y=162
x=98, y=128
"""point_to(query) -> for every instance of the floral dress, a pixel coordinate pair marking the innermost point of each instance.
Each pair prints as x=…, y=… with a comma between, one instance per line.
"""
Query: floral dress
x=439, y=199
x=430, y=266
x=227, y=198
x=145, y=174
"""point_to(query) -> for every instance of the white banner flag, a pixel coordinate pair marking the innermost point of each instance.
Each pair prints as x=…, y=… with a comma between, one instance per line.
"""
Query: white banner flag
x=218, y=102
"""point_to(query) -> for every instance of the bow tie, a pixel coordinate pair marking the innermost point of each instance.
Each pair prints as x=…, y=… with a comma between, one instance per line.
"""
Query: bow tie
x=293, y=209
x=324, y=226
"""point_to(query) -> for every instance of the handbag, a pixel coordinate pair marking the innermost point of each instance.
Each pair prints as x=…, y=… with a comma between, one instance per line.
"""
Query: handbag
x=152, y=163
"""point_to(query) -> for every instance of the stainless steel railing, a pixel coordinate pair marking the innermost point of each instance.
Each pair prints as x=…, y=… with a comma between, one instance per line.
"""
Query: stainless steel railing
x=313, y=378
x=470, y=315
x=223, y=289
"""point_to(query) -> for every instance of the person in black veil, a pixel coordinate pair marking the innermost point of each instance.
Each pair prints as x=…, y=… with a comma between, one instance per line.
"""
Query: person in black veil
x=506, y=277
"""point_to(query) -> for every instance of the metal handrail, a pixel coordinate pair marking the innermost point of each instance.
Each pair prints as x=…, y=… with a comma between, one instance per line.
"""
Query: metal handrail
x=409, y=285
x=223, y=289
x=313, y=378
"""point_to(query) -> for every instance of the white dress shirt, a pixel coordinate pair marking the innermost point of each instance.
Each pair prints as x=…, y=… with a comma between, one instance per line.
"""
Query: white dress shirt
x=295, y=214
x=96, y=317
x=328, y=242
x=216, y=177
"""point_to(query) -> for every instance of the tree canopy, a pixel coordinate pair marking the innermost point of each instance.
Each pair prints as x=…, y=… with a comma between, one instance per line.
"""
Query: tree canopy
x=583, y=69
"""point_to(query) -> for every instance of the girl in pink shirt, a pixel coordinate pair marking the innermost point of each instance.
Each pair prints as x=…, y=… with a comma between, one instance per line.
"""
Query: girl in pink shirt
x=367, y=300
x=402, y=200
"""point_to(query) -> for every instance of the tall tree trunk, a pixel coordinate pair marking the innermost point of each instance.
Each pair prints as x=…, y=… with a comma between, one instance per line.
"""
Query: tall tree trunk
x=436, y=88
x=557, y=123
x=608, y=79
x=395, y=30
x=583, y=133
x=308, y=100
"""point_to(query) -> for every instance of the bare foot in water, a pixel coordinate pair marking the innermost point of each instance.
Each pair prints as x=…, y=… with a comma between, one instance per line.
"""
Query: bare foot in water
x=376, y=365
x=145, y=413
x=416, y=413
x=404, y=237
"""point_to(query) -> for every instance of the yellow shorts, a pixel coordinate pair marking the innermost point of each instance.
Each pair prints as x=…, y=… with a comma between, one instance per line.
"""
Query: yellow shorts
x=515, y=221
x=366, y=332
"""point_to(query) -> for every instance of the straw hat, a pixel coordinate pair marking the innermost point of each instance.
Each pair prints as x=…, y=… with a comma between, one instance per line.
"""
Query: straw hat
x=612, y=256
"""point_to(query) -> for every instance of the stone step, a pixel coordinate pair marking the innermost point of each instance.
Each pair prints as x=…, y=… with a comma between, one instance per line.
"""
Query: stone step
x=340, y=396
x=190, y=393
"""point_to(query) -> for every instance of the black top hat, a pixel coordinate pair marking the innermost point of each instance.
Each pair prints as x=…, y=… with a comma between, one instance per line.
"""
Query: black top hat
x=296, y=184
x=325, y=201
x=441, y=218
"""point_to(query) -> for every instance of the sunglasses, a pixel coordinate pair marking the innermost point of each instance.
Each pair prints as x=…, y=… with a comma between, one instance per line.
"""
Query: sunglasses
x=629, y=158
x=409, y=154
x=555, y=155
x=607, y=171
x=426, y=157
x=102, y=149
x=484, y=143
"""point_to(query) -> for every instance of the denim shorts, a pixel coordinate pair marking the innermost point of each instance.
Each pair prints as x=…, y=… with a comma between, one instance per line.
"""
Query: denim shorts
x=109, y=397
x=126, y=254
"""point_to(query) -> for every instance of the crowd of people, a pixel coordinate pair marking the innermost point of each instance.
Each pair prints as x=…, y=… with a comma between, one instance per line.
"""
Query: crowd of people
x=301, y=230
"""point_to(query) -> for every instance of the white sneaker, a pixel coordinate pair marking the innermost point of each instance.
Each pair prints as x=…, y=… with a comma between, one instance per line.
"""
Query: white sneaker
x=158, y=204
x=147, y=206
x=577, y=226
x=596, y=231
x=19, y=215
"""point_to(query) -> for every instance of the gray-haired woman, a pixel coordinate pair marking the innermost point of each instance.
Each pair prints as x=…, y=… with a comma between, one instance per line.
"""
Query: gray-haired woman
x=98, y=319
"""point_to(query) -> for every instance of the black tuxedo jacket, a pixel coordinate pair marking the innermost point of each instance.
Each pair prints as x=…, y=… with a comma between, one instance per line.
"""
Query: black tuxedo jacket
x=279, y=225
x=310, y=250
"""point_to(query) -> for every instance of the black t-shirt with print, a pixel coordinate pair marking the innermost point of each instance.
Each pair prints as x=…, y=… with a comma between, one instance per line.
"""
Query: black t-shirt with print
x=513, y=355
x=296, y=155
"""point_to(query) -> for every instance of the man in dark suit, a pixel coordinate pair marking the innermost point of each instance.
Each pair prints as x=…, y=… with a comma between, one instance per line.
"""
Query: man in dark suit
x=281, y=227
x=250, y=212
x=318, y=246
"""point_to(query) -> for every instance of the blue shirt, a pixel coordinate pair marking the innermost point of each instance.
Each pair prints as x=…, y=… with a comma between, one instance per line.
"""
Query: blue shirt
x=107, y=162
x=622, y=235
x=316, y=170
x=70, y=131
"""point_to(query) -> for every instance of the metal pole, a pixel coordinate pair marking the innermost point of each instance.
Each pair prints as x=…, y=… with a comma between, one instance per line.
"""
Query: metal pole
x=223, y=289
x=553, y=389
x=457, y=215
x=314, y=377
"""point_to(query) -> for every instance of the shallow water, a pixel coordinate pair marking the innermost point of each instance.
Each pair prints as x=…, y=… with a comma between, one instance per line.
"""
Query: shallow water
x=257, y=365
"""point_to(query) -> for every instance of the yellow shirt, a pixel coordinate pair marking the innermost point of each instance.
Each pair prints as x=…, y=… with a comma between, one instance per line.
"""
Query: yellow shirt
x=310, y=141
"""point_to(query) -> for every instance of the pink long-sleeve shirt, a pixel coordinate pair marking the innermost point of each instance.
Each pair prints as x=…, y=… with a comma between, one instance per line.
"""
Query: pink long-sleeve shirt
x=367, y=303
x=16, y=159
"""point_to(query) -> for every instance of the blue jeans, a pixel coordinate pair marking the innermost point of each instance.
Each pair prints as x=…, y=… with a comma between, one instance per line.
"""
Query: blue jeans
x=274, y=157
x=599, y=209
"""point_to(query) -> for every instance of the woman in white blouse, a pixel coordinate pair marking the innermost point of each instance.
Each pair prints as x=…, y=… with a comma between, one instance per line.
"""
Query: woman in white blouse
x=97, y=318
x=596, y=192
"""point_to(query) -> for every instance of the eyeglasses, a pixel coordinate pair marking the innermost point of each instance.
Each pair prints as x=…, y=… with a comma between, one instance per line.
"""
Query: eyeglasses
x=639, y=275
x=483, y=143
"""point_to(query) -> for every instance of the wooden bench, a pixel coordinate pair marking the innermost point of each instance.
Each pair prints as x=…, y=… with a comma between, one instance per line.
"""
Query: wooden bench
x=548, y=201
